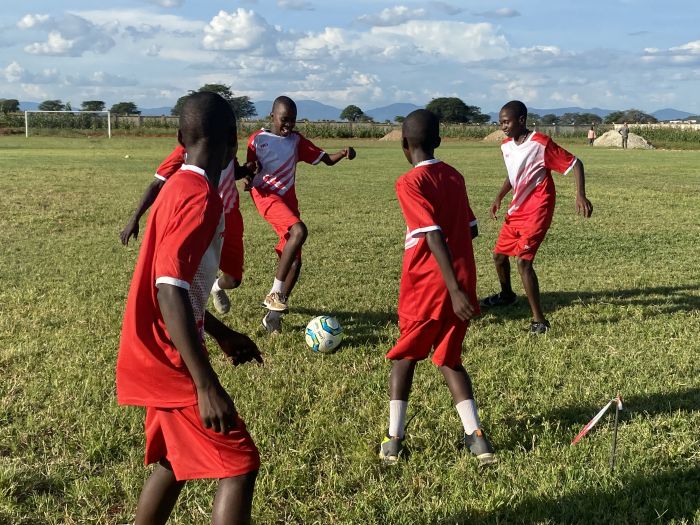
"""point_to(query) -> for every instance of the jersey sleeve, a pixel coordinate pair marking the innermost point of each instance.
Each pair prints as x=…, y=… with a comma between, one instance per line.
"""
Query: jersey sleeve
x=171, y=164
x=417, y=210
x=188, y=234
x=557, y=158
x=251, y=153
x=308, y=152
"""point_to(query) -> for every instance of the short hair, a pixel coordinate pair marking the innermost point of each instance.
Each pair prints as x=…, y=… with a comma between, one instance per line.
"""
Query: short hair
x=422, y=128
x=284, y=101
x=206, y=115
x=517, y=108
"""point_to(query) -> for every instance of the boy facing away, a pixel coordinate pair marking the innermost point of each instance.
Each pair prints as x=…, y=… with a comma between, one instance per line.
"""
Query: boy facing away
x=437, y=295
x=273, y=191
x=192, y=427
x=529, y=158
x=232, y=250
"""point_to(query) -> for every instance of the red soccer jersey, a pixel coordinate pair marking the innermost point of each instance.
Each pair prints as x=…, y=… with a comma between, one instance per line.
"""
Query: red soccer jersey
x=530, y=166
x=227, y=180
x=433, y=196
x=181, y=247
x=278, y=158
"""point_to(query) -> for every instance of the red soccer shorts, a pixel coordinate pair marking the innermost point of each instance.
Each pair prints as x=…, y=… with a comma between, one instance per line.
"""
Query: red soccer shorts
x=521, y=237
x=282, y=212
x=418, y=338
x=195, y=452
x=232, y=250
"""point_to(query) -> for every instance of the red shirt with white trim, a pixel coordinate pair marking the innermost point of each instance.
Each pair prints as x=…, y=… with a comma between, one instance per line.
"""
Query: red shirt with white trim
x=227, y=180
x=181, y=247
x=278, y=158
x=530, y=166
x=433, y=196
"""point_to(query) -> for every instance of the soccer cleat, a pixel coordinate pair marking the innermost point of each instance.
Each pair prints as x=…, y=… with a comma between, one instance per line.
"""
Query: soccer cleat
x=276, y=301
x=272, y=324
x=539, y=328
x=497, y=300
x=221, y=301
x=479, y=446
x=390, y=450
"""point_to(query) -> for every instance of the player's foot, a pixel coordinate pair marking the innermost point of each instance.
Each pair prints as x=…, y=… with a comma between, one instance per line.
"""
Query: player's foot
x=390, y=450
x=272, y=324
x=479, y=446
x=499, y=299
x=539, y=328
x=221, y=301
x=276, y=301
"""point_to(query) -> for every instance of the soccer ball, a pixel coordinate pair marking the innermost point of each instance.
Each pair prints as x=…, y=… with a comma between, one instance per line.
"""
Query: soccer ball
x=323, y=333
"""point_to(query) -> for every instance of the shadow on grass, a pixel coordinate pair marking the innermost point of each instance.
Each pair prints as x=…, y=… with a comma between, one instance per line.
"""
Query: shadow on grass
x=360, y=328
x=661, y=300
x=662, y=497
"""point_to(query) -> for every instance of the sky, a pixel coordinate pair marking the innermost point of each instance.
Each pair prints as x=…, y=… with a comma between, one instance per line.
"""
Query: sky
x=612, y=54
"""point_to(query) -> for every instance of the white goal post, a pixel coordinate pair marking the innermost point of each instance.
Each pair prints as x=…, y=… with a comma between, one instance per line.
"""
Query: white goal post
x=27, y=112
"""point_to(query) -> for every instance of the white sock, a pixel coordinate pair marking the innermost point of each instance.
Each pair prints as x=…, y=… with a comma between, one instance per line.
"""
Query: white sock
x=397, y=417
x=469, y=415
x=216, y=286
x=277, y=286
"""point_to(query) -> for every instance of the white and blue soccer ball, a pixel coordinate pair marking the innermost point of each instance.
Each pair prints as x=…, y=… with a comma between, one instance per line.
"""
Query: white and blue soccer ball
x=323, y=333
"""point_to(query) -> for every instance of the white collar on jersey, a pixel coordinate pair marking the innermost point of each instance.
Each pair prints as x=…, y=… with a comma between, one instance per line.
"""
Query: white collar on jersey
x=196, y=169
x=427, y=162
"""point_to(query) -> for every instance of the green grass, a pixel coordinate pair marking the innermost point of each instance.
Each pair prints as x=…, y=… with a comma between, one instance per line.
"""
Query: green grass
x=622, y=291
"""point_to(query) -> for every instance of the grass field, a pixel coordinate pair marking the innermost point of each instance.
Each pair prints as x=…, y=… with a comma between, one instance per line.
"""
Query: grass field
x=622, y=291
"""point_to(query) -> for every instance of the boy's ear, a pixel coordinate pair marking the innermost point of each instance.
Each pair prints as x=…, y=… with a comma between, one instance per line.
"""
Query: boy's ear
x=179, y=138
x=404, y=143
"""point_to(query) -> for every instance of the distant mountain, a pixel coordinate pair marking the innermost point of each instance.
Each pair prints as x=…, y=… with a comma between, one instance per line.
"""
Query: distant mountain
x=671, y=114
x=391, y=111
x=28, y=106
x=560, y=111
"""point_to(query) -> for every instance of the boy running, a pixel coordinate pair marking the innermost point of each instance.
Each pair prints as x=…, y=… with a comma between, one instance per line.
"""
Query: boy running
x=232, y=251
x=192, y=427
x=273, y=190
x=529, y=158
x=437, y=295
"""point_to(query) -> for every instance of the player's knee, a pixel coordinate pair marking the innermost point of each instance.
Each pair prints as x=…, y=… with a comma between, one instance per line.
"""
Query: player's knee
x=298, y=232
x=524, y=265
x=499, y=258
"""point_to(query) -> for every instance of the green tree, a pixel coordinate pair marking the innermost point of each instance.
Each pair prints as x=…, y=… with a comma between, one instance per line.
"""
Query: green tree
x=92, y=105
x=242, y=106
x=9, y=105
x=399, y=119
x=352, y=113
x=453, y=109
x=125, y=108
x=631, y=116
x=52, y=105
x=550, y=119
x=533, y=119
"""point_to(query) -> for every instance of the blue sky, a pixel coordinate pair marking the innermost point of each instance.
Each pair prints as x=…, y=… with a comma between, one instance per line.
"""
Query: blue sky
x=613, y=54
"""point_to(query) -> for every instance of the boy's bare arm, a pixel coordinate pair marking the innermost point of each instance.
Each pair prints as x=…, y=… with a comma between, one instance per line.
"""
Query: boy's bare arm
x=238, y=347
x=330, y=159
x=583, y=205
x=460, y=302
x=496, y=204
x=216, y=408
x=149, y=196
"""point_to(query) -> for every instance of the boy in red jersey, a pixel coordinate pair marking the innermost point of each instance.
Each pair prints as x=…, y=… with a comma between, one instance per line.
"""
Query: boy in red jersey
x=273, y=190
x=192, y=427
x=437, y=295
x=232, y=250
x=529, y=159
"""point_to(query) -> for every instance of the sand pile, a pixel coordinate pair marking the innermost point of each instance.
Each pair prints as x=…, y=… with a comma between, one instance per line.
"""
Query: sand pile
x=496, y=136
x=613, y=139
x=392, y=135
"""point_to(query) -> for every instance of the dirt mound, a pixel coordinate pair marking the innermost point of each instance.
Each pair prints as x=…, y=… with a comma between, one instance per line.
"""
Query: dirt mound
x=613, y=139
x=392, y=135
x=496, y=136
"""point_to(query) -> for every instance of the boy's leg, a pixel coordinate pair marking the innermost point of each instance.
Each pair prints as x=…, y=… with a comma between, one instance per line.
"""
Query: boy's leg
x=234, y=500
x=502, y=263
x=158, y=496
x=532, y=288
x=287, y=270
x=400, y=382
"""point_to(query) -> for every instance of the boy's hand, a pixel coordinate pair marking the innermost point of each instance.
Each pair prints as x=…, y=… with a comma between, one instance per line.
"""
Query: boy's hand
x=216, y=408
x=495, y=206
x=461, y=305
x=130, y=230
x=253, y=166
x=583, y=206
x=350, y=153
x=239, y=348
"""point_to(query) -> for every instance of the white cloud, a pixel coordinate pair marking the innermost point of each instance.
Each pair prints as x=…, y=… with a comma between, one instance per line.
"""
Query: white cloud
x=503, y=12
x=28, y=21
x=167, y=3
x=34, y=91
x=14, y=73
x=392, y=16
x=445, y=7
x=69, y=35
x=295, y=5
x=100, y=78
x=241, y=30
x=55, y=45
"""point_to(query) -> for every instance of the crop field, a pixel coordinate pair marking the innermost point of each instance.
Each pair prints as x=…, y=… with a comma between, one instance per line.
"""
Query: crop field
x=621, y=289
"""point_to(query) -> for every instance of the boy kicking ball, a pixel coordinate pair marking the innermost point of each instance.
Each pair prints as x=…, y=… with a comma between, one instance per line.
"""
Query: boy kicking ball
x=529, y=158
x=437, y=294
